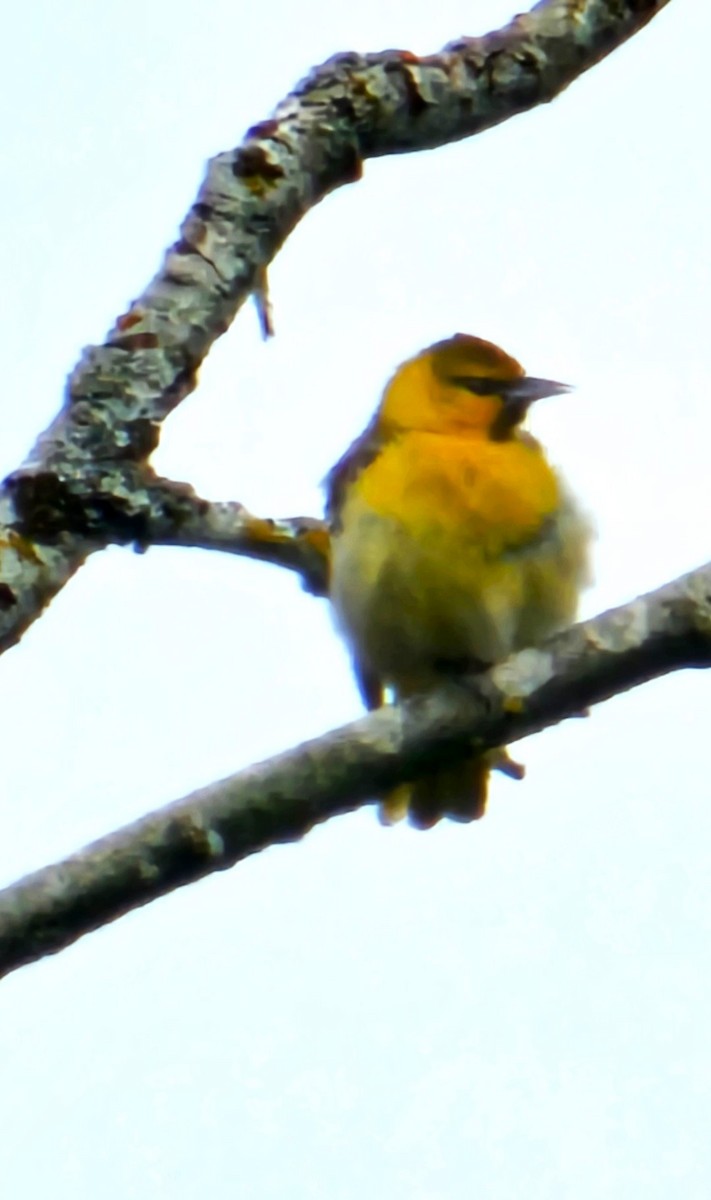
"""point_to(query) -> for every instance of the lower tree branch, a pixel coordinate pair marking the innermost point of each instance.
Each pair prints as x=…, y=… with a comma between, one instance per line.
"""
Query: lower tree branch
x=281, y=800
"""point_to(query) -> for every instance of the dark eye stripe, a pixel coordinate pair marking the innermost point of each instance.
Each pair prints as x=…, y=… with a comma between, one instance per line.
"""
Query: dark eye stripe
x=479, y=384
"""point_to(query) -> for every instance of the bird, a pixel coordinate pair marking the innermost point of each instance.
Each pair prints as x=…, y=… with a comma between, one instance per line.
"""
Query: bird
x=454, y=543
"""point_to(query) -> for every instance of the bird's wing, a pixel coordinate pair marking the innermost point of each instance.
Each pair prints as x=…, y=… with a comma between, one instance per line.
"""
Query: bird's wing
x=371, y=688
x=357, y=457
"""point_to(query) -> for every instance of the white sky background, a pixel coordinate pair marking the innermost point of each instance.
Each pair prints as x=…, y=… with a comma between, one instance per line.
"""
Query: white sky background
x=515, y=1008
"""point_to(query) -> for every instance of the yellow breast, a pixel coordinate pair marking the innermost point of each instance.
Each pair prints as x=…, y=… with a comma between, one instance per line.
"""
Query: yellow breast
x=453, y=548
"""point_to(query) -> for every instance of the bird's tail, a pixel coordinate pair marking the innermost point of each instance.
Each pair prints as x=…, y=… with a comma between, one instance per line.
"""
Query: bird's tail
x=459, y=792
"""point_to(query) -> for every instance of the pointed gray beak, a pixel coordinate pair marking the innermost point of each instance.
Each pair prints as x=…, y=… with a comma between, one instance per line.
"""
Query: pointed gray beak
x=526, y=390
x=521, y=392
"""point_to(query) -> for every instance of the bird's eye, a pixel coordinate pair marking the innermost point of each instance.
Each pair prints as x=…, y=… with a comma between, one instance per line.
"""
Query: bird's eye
x=480, y=385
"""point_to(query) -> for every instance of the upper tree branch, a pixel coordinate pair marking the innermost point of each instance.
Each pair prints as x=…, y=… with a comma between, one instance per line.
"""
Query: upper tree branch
x=78, y=488
x=280, y=800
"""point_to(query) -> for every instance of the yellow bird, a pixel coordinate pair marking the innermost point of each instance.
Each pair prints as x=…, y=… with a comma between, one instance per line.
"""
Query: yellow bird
x=454, y=544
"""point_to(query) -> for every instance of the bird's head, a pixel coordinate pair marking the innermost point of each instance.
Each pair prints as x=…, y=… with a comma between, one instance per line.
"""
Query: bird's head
x=463, y=384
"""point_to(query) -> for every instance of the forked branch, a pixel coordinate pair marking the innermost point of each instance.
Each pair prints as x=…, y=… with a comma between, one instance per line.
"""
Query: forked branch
x=85, y=483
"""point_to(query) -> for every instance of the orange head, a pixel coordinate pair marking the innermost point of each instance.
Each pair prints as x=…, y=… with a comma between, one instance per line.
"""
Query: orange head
x=462, y=384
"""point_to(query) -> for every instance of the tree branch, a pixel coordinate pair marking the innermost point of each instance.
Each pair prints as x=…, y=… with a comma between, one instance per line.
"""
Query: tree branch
x=299, y=544
x=172, y=514
x=281, y=800
x=80, y=480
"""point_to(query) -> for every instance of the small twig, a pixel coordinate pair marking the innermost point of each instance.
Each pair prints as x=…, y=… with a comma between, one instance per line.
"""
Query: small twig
x=176, y=516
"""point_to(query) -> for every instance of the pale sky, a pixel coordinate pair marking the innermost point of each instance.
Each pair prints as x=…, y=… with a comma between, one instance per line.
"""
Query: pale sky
x=517, y=1008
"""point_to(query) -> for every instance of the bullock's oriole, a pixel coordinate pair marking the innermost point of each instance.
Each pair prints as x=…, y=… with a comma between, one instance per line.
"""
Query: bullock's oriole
x=454, y=543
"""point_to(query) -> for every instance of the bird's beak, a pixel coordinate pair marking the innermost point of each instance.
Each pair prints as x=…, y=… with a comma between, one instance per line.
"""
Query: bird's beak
x=524, y=391
x=518, y=395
